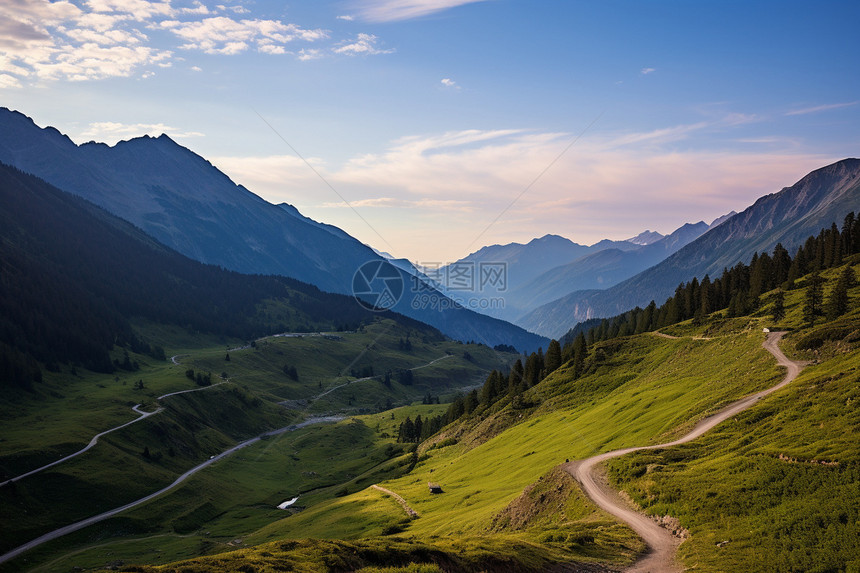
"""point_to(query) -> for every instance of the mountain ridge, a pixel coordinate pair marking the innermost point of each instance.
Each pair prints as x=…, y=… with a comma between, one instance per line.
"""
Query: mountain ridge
x=186, y=203
x=788, y=216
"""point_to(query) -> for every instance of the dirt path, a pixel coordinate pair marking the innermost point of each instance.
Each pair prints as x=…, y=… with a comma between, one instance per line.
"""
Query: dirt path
x=339, y=386
x=409, y=511
x=669, y=336
x=102, y=516
x=661, y=335
x=95, y=440
x=662, y=545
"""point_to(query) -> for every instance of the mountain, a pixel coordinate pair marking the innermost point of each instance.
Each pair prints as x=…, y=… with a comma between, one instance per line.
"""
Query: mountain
x=821, y=198
x=74, y=275
x=550, y=267
x=514, y=265
x=599, y=270
x=646, y=237
x=720, y=220
x=187, y=204
x=524, y=261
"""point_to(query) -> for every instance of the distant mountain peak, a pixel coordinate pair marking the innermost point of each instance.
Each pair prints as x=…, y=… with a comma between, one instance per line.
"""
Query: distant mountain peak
x=646, y=237
x=549, y=237
x=723, y=219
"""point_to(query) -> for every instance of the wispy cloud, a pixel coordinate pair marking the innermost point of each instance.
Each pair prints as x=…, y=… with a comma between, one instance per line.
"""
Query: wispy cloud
x=7, y=81
x=646, y=71
x=449, y=83
x=110, y=132
x=604, y=187
x=223, y=35
x=393, y=10
x=362, y=45
x=818, y=108
x=346, y=17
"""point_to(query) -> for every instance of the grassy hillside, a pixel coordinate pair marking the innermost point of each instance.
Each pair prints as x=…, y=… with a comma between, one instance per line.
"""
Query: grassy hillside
x=239, y=494
x=774, y=488
x=777, y=488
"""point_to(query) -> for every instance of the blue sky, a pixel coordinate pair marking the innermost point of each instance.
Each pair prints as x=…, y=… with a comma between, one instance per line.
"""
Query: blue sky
x=451, y=124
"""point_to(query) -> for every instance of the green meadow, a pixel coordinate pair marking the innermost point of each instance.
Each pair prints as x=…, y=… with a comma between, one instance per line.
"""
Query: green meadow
x=250, y=394
x=772, y=489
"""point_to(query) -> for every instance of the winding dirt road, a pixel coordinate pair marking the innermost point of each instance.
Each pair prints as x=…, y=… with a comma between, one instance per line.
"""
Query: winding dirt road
x=102, y=516
x=332, y=389
x=95, y=438
x=662, y=545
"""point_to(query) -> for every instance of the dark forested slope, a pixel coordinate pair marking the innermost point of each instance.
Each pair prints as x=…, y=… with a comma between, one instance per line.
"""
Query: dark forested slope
x=73, y=275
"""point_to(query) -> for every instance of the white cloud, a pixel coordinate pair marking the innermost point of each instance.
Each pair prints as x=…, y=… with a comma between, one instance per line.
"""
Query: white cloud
x=110, y=131
x=818, y=108
x=401, y=203
x=602, y=187
x=7, y=81
x=646, y=71
x=393, y=10
x=222, y=35
x=362, y=45
x=449, y=83
x=140, y=9
x=271, y=49
x=199, y=8
x=307, y=54
x=346, y=17
x=59, y=40
x=97, y=39
x=235, y=9
x=282, y=174
x=107, y=37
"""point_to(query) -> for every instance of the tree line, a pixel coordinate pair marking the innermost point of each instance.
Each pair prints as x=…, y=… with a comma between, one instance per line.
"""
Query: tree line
x=738, y=290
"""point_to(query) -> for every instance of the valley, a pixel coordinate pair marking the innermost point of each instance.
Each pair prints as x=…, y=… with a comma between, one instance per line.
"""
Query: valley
x=259, y=383
x=163, y=413
x=503, y=494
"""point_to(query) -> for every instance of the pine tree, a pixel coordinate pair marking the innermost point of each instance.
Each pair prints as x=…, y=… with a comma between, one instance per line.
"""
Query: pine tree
x=778, y=311
x=471, y=402
x=797, y=268
x=515, y=379
x=835, y=247
x=532, y=370
x=813, y=298
x=849, y=234
x=580, y=350
x=552, y=360
x=417, y=429
x=488, y=392
x=837, y=303
x=704, y=296
x=407, y=430
x=781, y=264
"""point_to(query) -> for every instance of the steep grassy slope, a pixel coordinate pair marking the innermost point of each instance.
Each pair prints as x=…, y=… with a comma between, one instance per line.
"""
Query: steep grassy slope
x=638, y=390
x=777, y=484
x=776, y=489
